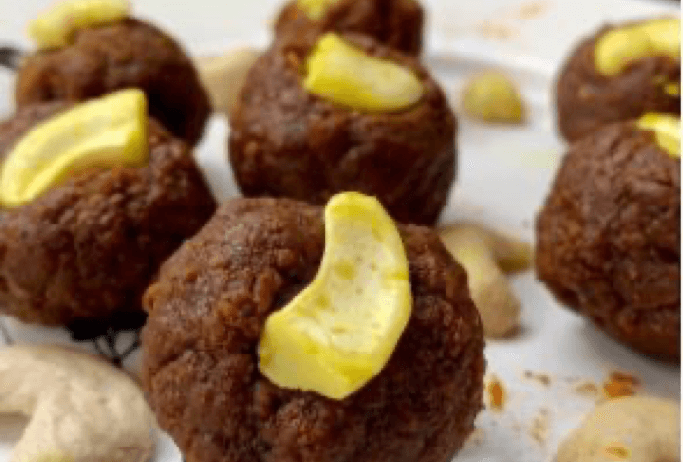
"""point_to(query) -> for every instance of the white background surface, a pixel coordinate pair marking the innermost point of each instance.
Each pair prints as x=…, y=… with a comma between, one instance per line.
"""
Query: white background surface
x=504, y=176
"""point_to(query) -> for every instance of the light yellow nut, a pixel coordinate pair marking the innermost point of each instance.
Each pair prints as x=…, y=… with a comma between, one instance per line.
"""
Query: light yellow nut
x=672, y=89
x=493, y=97
x=340, y=331
x=80, y=408
x=347, y=76
x=55, y=27
x=636, y=428
x=619, y=47
x=315, y=9
x=667, y=130
x=665, y=35
x=491, y=293
x=511, y=253
x=223, y=77
x=106, y=132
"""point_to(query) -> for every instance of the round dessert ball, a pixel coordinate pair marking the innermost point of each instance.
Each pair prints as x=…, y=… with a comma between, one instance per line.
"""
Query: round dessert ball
x=287, y=142
x=207, y=311
x=609, y=237
x=88, y=248
x=398, y=24
x=587, y=99
x=125, y=54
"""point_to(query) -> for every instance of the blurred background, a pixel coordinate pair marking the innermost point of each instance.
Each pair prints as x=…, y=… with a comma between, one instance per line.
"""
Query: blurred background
x=523, y=28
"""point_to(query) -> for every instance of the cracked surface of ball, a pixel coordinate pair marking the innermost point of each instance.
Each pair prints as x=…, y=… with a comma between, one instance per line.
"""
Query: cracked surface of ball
x=608, y=237
x=206, y=314
x=124, y=54
x=89, y=247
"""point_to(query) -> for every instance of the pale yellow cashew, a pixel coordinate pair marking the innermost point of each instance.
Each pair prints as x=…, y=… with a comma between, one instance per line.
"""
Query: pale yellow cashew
x=340, y=331
x=55, y=27
x=482, y=252
x=223, y=77
x=81, y=408
x=493, y=97
x=619, y=47
x=634, y=429
x=346, y=75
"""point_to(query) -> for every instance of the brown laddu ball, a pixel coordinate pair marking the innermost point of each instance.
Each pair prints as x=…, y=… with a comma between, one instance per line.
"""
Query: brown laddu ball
x=286, y=142
x=88, y=248
x=609, y=237
x=206, y=315
x=399, y=24
x=587, y=100
x=124, y=54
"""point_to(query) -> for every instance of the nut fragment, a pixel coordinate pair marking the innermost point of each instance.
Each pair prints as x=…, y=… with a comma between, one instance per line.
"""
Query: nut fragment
x=667, y=130
x=496, y=393
x=223, y=77
x=55, y=27
x=512, y=254
x=493, y=97
x=346, y=75
x=81, y=408
x=642, y=429
x=105, y=132
x=340, y=331
x=315, y=9
x=479, y=251
x=616, y=49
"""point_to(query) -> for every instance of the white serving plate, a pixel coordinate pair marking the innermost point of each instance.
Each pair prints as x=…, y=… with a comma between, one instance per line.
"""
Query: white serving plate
x=504, y=176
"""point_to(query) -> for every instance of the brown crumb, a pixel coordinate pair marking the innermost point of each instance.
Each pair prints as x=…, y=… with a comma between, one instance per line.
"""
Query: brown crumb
x=618, y=452
x=620, y=384
x=543, y=379
x=586, y=388
x=496, y=393
x=540, y=426
x=532, y=10
x=625, y=377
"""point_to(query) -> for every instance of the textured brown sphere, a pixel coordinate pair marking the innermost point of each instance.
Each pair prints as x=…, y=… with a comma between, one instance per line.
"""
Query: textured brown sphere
x=124, y=54
x=89, y=248
x=587, y=100
x=285, y=142
x=399, y=24
x=609, y=237
x=206, y=314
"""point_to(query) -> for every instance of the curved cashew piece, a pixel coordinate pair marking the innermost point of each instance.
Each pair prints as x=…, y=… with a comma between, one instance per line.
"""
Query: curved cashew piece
x=485, y=254
x=81, y=408
x=223, y=77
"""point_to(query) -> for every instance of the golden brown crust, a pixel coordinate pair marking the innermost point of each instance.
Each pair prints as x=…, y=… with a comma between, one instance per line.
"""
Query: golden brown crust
x=206, y=314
